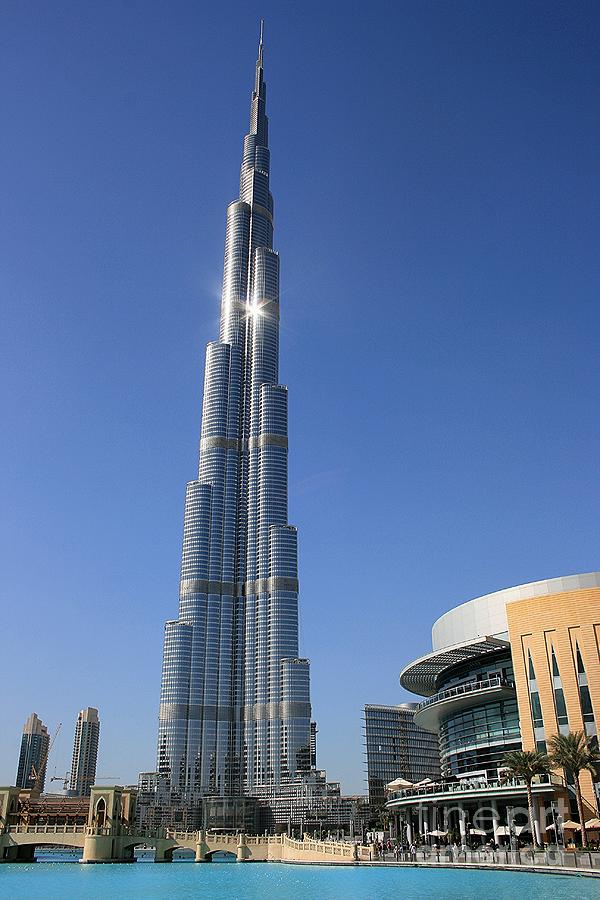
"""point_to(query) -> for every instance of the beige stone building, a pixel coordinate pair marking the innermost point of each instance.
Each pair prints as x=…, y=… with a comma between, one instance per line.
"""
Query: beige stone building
x=507, y=671
x=554, y=642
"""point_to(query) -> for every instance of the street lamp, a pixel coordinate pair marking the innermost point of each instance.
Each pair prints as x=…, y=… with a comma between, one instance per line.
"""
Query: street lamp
x=511, y=828
x=559, y=830
x=555, y=818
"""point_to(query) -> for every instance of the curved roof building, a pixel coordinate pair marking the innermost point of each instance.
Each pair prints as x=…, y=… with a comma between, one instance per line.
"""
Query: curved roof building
x=507, y=670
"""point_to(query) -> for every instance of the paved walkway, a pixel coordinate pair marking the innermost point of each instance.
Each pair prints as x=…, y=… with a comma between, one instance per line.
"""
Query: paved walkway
x=446, y=864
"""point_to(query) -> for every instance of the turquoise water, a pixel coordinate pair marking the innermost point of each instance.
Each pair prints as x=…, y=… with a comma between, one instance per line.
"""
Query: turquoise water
x=275, y=881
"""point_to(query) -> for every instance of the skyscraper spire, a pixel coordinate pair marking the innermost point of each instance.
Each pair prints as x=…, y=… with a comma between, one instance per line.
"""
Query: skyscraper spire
x=235, y=702
x=260, y=42
x=258, y=117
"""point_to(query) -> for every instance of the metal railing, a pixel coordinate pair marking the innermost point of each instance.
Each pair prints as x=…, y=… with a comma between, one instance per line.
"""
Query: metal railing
x=470, y=687
x=550, y=857
x=473, y=784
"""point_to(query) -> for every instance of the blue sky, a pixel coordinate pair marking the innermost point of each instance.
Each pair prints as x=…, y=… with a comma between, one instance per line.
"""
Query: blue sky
x=435, y=172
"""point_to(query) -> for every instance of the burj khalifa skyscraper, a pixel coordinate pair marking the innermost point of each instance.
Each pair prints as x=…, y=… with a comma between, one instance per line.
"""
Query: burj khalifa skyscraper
x=235, y=713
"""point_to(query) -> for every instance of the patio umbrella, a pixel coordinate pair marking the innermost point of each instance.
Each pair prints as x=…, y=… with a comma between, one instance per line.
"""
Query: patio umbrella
x=423, y=782
x=398, y=783
x=593, y=824
x=437, y=833
x=478, y=831
x=504, y=830
x=572, y=826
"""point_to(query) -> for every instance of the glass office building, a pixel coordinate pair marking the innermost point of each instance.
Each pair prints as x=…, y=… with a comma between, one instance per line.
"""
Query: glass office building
x=396, y=747
x=85, y=752
x=33, y=754
x=235, y=712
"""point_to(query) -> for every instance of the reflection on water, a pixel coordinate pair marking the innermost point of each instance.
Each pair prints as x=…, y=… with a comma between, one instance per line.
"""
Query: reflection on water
x=142, y=854
x=58, y=854
x=46, y=880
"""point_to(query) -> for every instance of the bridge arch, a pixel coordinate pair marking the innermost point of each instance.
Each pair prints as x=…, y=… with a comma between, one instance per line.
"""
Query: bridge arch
x=163, y=847
x=220, y=854
x=100, y=813
x=19, y=846
x=51, y=840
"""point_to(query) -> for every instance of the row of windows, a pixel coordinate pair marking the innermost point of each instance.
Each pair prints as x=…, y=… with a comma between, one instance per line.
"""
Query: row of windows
x=560, y=706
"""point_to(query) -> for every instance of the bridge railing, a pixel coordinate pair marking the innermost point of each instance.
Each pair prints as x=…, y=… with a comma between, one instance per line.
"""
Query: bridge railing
x=329, y=848
x=226, y=839
x=229, y=840
x=118, y=831
x=264, y=839
x=47, y=829
x=104, y=831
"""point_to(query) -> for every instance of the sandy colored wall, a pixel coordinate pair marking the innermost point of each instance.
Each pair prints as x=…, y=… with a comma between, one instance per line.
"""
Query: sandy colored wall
x=560, y=621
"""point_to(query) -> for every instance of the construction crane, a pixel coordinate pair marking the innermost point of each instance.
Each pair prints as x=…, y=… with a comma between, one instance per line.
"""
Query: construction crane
x=38, y=774
x=66, y=779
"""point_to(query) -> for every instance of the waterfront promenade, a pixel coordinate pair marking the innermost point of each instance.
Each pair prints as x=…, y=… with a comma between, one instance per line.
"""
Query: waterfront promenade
x=111, y=835
x=552, y=860
x=283, y=849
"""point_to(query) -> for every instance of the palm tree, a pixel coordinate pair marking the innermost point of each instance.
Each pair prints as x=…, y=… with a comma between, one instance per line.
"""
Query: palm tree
x=383, y=817
x=575, y=753
x=527, y=764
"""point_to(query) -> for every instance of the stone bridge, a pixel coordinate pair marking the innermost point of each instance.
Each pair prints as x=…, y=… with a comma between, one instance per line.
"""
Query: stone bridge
x=99, y=845
x=109, y=834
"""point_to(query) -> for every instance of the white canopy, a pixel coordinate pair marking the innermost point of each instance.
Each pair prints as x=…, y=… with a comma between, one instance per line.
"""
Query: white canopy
x=398, y=783
x=504, y=830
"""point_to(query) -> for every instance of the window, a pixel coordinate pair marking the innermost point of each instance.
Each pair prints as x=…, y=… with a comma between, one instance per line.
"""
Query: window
x=536, y=707
x=587, y=711
x=559, y=697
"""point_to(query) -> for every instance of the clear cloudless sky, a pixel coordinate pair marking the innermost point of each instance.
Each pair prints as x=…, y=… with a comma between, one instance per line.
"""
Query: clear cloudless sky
x=435, y=173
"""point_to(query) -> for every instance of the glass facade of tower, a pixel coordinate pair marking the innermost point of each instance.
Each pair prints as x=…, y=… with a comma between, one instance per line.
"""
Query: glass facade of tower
x=235, y=700
x=85, y=752
x=33, y=755
x=397, y=748
x=475, y=739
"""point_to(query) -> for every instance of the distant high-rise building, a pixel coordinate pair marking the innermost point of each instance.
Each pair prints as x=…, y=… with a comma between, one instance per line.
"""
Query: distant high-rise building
x=313, y=745
x=85, y=752
x=33, y=757
x=235, y=707
x=397, y=748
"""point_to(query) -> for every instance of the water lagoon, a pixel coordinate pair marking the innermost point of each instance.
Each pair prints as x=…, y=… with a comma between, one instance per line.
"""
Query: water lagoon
x=219, y=881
